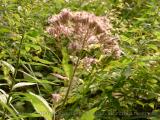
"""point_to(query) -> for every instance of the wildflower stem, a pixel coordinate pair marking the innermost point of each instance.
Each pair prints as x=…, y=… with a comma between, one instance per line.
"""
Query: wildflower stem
x=71, y=80
x=74, y=71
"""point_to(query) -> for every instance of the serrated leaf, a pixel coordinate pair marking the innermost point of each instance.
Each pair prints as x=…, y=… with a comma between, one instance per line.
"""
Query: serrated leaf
x=22, y=84
x=40, y=104
x=89, y=115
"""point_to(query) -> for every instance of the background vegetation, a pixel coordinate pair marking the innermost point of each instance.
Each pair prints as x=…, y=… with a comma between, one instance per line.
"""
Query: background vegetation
x=127, y=88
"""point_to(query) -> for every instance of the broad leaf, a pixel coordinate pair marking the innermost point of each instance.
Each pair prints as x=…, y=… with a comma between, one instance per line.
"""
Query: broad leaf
x=66, y=66
x=89, y=115
x=40, y=104
x=12, y=69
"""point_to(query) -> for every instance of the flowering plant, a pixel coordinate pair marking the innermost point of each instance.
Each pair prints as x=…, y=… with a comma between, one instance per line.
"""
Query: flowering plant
x=86, y=31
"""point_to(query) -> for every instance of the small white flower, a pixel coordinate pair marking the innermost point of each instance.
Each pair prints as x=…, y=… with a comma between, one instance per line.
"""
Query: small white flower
x=19, y=8
x=66, y=0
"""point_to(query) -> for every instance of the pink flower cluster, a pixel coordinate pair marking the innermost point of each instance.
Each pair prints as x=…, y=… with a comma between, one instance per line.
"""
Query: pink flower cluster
x=56, y=97
x=84, y=30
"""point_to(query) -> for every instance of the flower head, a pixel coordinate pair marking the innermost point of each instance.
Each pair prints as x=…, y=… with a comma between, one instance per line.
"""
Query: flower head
x=84, y=29
x=56, y=97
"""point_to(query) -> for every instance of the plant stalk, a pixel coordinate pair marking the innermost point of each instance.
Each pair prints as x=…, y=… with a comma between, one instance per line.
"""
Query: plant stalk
x=74, y=71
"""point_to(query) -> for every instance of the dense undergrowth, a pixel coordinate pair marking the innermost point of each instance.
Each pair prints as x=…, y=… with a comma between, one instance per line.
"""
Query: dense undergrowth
x=35, y=69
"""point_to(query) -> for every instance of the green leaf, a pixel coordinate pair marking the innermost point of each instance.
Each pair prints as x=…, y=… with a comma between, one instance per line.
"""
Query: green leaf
x=140, y=103
x=34, y=46
x=9, y=66
x=3, y=96
x=41, y=60
x=4, y=30
x=151, y=105
x=68, y=68
x=10, y=110
x=22, y=84
x=40, y=104
x=89, y=115
x=155, y=115
x=73, y=99
x=152, y=81
x=157, y=34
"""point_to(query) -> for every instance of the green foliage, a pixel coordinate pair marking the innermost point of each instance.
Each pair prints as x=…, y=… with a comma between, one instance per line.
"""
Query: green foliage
x=33, y=64
x=89, y=115
x=40, y=104
x=65, y=63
